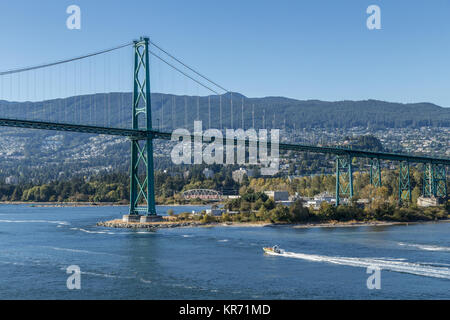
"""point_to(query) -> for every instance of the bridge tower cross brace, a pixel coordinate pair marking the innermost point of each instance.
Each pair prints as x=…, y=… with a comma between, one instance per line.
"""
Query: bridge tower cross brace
x=434, y=180
x=142, y=196
x=404, y=183
x=344, y=177
x=375, y=173
x=440, y=181
x=428, y=180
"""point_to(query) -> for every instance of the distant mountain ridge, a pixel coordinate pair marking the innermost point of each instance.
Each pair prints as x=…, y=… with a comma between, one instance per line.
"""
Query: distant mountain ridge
x=269, y=112
x=346, y=114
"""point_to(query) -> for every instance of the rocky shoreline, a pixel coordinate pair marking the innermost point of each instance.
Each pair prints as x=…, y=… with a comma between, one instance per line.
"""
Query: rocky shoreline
x=91, y=204
x=147, y=225
x=118, y=223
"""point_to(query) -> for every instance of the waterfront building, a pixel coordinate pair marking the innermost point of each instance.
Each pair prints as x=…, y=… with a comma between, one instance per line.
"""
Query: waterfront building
x=278, y=195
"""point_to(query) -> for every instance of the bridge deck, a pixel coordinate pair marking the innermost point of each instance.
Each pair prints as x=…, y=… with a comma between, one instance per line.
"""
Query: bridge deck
x=143, y=134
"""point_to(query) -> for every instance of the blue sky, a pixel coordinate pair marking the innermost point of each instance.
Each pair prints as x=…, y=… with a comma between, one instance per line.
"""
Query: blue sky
x=300, y=49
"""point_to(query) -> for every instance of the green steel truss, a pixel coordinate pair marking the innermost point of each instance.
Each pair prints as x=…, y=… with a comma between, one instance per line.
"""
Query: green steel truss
x=428, y=181
x=440, y=181
x=404, y=183
x=142, y=196
x=434, y=180
x=375, y=173
x=344, y=178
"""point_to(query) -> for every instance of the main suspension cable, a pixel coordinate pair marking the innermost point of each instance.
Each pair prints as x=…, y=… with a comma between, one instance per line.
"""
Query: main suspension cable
x=64, y=61
x=183, y=73
x=188, y=67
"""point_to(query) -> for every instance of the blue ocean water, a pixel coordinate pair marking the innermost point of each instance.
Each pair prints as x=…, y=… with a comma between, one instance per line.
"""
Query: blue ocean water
x=37, y=244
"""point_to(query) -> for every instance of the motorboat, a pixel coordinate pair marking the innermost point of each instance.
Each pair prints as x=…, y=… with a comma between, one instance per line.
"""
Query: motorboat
x=273, y=250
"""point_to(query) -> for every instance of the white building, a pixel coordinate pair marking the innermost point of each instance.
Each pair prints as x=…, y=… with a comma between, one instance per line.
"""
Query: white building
x=215, y=212
x=428, y=202
x=319, y=199
x=278, y=195
x=208, y=173
x=238, y=175
x=325, y=196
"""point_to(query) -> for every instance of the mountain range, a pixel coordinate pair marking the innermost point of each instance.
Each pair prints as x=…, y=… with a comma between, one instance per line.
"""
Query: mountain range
x=46, y=155
x=173, y=111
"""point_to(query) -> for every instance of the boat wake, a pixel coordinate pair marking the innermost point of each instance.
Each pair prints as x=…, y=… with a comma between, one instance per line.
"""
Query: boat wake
x=79, y=251
x=91, y=231
x=65, y=223
x=395, y=265
x=426, y=247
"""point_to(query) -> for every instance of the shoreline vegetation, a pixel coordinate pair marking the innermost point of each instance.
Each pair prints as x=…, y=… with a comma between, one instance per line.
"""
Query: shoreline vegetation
x=91, y=204
x=250, y=205
x=64, y=204
x=270, y=213
x=256, y=208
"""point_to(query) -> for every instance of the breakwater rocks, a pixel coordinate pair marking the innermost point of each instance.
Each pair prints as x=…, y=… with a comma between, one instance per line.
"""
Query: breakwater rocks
x=147, y=225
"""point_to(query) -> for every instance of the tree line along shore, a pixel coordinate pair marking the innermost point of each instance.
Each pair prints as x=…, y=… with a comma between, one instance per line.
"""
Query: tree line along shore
x=253, y=205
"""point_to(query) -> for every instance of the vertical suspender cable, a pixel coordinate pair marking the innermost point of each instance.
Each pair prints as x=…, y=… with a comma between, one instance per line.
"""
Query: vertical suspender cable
x=185, y=112
x=231, y=109
x=198, y=106
x=209, y=112
x=253, y=116
x=242, y=113
x=220, y=111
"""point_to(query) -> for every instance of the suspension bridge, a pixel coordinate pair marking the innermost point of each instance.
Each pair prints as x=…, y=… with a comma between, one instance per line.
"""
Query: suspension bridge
x=71, y=95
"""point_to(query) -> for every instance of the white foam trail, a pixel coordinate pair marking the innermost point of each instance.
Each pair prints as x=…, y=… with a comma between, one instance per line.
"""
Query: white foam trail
x=35, y=221
x=390, y=259
x=13, y=263
x=434, y=264
x=78, y=250
x=145, y=281
x=90, y=231
x=104, y=275
x=72, y=250
x=426, y=247
x=391, y=265
x=224, y=240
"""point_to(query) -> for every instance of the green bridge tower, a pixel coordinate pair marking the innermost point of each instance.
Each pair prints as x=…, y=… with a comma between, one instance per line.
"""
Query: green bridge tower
x=344, y=178
x=434, y=180
x=142, y=195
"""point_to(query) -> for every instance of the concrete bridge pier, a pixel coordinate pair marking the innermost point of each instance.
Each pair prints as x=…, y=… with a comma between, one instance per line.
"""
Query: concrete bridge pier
x=141, y=218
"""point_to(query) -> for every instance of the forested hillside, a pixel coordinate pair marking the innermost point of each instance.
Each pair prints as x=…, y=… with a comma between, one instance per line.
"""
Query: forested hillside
x=173, y=111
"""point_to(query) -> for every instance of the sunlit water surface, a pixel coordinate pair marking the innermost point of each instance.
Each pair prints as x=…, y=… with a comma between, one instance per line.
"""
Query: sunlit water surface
x=37, y=244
